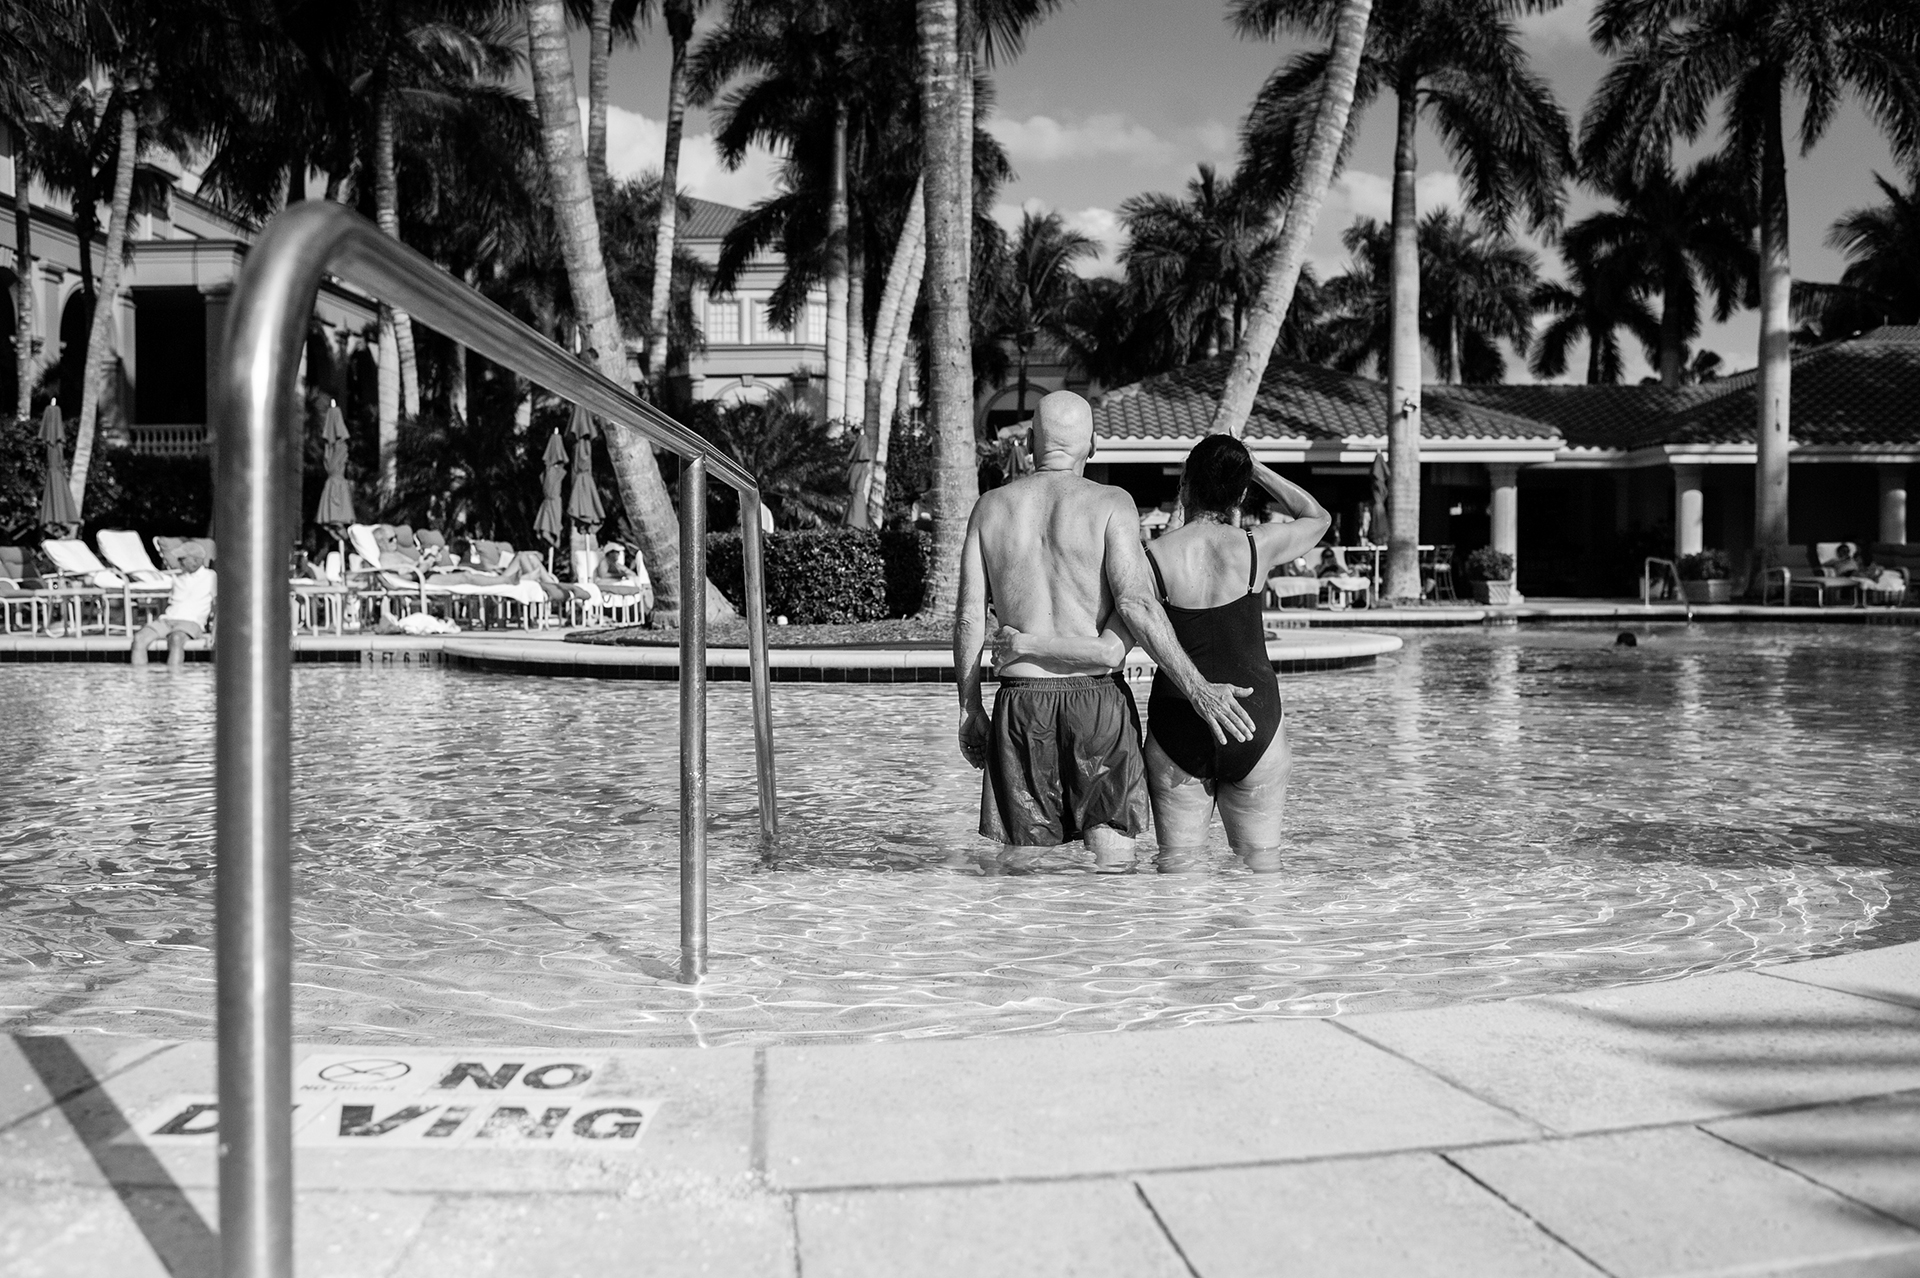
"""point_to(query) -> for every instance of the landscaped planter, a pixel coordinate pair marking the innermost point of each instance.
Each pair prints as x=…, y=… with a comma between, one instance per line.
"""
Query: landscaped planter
x=1718, y=590
x=1493, y=592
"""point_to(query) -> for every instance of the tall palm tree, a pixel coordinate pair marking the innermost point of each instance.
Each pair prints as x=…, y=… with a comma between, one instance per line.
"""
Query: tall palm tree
x=1032, y=296
x=1476, y=289
x=956, y=483
x=642, y=490
x=1691, y=231
x=1206, y=254
x=1674, y=59
x=1297, y=174
x=679, y=16
x=1459, y=63
x=1605, y=291
x=1881, y=284
x=606, y=21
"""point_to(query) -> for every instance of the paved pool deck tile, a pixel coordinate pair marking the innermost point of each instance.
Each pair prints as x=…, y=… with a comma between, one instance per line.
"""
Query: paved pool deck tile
x=1756, y=1123
x=1082, y=1104
x=1100, y=1229
x=1673, y=1051
x=1673, y=1201
x=1402, y=1214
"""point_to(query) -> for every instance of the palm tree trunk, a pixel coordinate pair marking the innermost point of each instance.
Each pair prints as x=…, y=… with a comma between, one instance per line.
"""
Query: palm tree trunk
x=457, y=385
x=1403, y=394
x=1776, y=355
x=386, y=211
x=100, y=355
x=856, y=337
x=641, y=489
x=1671, y=340
x=679, y=17
x=24, y=329
x=956, y=484
x=1269, y=310
x=599, y=66
x=893, y=315
x=966, y=36
x=893, y=379
x=837, y=273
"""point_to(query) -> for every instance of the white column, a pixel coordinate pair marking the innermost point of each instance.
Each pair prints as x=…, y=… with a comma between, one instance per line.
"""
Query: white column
x=1893, y=503
x=1505, y=477
x=1689, y=511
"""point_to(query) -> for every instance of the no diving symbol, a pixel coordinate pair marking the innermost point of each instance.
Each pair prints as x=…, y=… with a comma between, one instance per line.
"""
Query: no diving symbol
x=364, y=1073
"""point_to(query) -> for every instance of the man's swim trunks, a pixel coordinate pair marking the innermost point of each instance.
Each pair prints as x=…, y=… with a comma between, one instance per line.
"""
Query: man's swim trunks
x=1064, y=757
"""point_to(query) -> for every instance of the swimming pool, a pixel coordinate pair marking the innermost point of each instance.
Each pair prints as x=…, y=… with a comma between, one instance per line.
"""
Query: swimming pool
x=487, y=857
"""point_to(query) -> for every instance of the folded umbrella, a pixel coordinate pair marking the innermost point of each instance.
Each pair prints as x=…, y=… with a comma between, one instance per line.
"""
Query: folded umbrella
x=550, y=521
x=583, y=502
x=56, y=500
x=335, y=510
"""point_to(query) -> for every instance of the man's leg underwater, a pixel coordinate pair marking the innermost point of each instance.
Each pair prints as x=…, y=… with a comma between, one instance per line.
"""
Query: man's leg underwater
x=1113, y=852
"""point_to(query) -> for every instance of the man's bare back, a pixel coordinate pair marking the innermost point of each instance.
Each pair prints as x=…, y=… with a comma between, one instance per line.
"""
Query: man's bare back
x=1043, y=544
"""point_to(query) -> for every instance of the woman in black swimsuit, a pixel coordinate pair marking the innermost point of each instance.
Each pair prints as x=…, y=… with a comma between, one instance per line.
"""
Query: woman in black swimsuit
x=1211, y=576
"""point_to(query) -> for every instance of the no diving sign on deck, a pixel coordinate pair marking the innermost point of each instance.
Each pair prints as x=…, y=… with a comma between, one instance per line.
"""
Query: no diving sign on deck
x=418, y=1101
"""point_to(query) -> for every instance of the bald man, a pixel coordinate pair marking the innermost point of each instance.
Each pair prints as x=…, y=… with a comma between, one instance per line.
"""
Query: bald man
x=1060, y=556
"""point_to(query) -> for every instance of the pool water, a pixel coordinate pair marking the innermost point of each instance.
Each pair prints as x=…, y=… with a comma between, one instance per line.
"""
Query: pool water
x=493, y=858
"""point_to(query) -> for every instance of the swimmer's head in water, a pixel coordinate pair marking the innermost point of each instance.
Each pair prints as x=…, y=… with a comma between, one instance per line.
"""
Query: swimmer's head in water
x=1218, y=471
x=1062, y=432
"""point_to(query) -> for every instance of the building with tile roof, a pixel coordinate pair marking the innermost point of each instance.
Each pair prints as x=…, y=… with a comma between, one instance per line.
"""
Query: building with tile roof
x=747, y=357
x=1580, y=483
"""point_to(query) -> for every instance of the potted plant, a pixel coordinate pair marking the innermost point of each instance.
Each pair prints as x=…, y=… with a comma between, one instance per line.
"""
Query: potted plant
x=1491, y=572
x=1706, y=577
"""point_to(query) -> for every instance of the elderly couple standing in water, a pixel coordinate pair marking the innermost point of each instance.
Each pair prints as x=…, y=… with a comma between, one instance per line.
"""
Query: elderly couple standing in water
x=1060, y=559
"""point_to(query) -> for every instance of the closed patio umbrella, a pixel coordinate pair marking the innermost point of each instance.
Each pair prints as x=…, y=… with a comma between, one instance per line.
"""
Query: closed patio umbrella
x=583, y=502
x=1382, y=479
x=335, y=510
x=550, y=521
x=56, y=500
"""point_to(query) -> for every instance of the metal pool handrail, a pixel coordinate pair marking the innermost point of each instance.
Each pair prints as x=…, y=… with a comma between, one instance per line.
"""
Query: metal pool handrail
x=255, y=418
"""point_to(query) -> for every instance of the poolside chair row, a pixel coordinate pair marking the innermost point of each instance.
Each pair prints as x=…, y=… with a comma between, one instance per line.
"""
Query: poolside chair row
x=67, y=580
x=1805, y=576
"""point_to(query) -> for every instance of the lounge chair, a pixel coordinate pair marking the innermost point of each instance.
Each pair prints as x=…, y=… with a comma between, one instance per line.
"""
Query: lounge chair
x=1348, y=588
x=21, y=592
x=1805, y=573
x=80, y=577
x=146, y=584
x=1282, y=588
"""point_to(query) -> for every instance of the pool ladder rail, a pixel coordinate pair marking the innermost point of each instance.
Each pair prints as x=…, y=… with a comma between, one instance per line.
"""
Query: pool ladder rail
x=1671, y=574
x=256, y=420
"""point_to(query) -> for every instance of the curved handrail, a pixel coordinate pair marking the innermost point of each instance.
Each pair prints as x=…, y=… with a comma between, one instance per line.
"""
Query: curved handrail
x=1673, y=574
x=255, y=416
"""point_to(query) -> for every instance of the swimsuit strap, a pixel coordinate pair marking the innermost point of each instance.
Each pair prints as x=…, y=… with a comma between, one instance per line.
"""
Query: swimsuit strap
x=1158, y=580
x=1253, y=568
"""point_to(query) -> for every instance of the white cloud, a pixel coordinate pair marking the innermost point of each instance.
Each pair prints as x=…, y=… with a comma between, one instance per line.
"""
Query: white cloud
x=1041, y=139
x=1102, y=226
x=1566, y=25
x=636, y=143
x=1357, y=193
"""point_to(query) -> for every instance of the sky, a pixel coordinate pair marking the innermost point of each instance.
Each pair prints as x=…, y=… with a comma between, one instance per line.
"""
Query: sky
x=1112, y=98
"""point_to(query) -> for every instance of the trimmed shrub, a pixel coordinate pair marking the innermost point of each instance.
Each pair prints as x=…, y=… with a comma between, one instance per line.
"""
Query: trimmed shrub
x=1488, y=564
x=1707, y=565
x=813, y=575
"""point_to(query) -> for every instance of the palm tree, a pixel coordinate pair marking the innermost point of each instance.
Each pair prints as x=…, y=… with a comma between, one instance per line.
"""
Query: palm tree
x=1674, y=59
x=1881, y=284
x=796, y=461
x=642, y=490
x=1206, y=254
x=1691, y=230
x=1476, y=286
x=956, y=482
x=1302, y=171
x=1605, y=292
x=1459, y=62
x=605, y=21
x=679, y=15
x=1037, y=286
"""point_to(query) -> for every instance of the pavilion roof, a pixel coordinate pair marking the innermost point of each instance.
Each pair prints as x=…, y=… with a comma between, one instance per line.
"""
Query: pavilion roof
x=709, y=221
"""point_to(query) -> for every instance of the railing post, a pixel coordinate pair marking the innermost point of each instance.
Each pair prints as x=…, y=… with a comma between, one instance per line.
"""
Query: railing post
x=693, y=720
x=753, y=565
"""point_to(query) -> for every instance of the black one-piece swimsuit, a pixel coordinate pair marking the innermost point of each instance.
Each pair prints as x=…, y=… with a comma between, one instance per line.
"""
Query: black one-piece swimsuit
x=1229, y=645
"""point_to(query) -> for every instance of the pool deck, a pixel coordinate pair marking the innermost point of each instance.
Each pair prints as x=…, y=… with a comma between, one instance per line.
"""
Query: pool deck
x=1757, y=1122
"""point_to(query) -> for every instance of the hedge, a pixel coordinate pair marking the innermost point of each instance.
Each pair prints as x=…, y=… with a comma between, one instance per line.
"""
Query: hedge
x=829, y=574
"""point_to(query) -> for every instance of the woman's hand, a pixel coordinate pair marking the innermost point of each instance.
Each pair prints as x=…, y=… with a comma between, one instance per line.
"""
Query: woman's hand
x=1009, y=645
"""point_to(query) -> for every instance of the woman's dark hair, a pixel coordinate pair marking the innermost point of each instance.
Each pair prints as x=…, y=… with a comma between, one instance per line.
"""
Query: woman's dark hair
x=1218, y=471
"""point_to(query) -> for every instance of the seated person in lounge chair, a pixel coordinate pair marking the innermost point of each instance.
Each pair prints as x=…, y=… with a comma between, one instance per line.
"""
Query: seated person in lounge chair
x=188, y=609
x=1846, y=563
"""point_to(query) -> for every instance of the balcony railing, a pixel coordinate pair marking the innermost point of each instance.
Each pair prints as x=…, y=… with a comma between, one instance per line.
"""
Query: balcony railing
x=184, y=440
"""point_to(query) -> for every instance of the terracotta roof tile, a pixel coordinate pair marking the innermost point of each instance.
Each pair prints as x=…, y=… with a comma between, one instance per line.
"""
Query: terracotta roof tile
x=1861, y=392
x=710, y=221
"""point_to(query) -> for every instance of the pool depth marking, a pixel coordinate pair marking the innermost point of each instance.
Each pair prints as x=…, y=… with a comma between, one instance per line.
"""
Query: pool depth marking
x=430, y=1101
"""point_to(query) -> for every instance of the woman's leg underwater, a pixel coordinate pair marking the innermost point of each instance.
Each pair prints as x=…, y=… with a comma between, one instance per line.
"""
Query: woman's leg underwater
x=1254, y=809
x=1182, y=807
